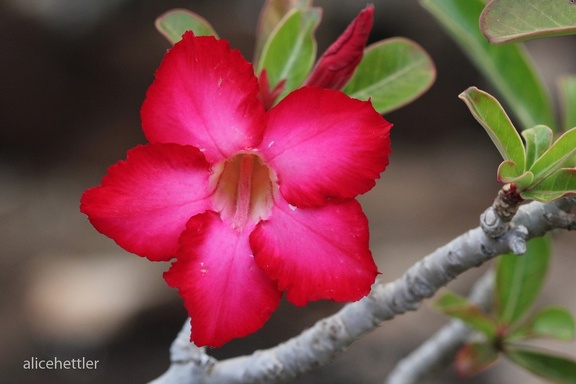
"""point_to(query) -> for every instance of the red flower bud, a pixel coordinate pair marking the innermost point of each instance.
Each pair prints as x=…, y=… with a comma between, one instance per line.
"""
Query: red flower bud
x=337, y=64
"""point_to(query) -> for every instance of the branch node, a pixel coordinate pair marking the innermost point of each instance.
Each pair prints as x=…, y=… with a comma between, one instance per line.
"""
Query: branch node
x=487, y=251
x=420, y=288
x=517, y=239
x=495, y=221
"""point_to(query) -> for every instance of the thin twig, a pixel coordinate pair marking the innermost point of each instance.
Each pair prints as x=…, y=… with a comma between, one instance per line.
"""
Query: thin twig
x=440, y=349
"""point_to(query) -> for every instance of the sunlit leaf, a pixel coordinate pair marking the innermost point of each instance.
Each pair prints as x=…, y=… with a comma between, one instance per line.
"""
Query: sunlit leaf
x=290, y=51
x=556, y=157
x=272, y=12
x=506, y=66
x=511, y=20
x=561, y=183
x=474, y=358
x=519, y=280
x=490, y=114
x=553, y=322
x=174, y=23
x=392, y=73
x=538, y=139
x=454, y=305
x=567, y=87
x=559, y=369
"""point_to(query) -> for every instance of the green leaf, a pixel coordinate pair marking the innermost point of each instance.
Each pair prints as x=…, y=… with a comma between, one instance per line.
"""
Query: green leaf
x=454, y=305
x=559, y=369
x=474, y=358
x=554, y=322
x=506, y=66
x=519, y=280
x=561, y=183
x=509, y=172
x=290, y=51
x=272, y=12
x=512, y=20
x=567, y=87
x=174, y=23
x=392, y=73
x=538, y=139
x=559, y=155
x=490, y=114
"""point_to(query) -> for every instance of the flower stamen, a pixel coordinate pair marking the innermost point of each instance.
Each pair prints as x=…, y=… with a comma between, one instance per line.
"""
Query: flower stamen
x=244, y=190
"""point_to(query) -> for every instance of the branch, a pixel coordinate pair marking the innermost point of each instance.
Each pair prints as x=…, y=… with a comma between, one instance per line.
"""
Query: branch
x=189, y=363
x=330, y=336
x=495, y=221
x=440, y=349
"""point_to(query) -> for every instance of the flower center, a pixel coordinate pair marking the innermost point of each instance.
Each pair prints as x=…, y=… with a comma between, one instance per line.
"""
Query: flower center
x=244, y=190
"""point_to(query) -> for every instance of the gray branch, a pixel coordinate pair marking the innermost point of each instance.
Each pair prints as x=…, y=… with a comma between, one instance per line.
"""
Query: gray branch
x=495, y=221
x=440, y=349
x=332, y=335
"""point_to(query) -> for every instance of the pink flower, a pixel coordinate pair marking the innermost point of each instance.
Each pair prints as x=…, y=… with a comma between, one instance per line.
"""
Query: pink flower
x=251, y=203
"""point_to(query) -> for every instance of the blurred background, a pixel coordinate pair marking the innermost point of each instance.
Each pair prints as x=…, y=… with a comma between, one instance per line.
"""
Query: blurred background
x=73, y=74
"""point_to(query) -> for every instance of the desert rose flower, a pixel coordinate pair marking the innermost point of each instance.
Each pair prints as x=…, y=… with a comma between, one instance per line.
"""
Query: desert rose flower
x=250, y=202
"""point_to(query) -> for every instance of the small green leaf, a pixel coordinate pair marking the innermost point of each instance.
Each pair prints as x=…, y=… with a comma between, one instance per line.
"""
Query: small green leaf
x=559, y=369
x=538, y=139
x=454, y=305
x=567, y=87
x=490, y=114
x=554, y=322
x=508, y=67
x=509, y=172
x=512, y=20
x=474, y=358
x=556, y=157
x=561, y=183
x=519, y=280
x=174, y=23
x=290, y=51
x=392, y=73
x=272, y=12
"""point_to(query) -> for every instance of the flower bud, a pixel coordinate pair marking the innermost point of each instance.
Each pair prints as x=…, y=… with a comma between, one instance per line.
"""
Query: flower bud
x=337, y=64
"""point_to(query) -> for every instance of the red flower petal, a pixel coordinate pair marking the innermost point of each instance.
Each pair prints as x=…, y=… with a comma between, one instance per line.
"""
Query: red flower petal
x=226, y=294
x=323, y=144
x=337, y=64
x=205, y=95
x=316, y=253
x=145, y=201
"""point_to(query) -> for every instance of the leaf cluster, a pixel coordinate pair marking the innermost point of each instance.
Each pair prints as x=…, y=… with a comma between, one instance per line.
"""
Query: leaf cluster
x=391, y=74
x=540, y=167
x=540, y=162
x=507, y=329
